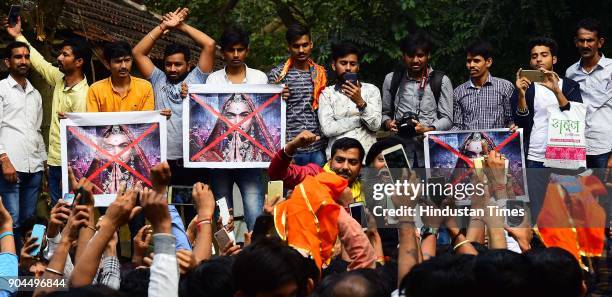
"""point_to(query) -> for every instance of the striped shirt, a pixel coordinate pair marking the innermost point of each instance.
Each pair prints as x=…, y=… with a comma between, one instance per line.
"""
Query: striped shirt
x=300, y=114
x=487, y=107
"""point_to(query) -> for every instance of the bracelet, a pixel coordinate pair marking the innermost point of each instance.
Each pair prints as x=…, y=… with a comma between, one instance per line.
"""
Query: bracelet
x=460, y=244
x=285, y=152
x=92, y=228
x=54, y=271
x=5, y=234
x=205, y=221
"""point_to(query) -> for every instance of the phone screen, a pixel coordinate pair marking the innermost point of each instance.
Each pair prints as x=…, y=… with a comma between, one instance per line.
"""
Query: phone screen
x=396, y=162
x=180, y=195
x=356, y=210
x=14, y=14
x=39, y=232
x=350, y=76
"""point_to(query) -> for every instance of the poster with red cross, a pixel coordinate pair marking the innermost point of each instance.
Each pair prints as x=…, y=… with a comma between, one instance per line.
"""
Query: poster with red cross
x=233, y=126
x=455, y=154
x=111, y=149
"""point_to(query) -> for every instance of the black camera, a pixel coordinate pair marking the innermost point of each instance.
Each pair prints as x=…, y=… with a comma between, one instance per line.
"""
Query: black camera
x=405, y=125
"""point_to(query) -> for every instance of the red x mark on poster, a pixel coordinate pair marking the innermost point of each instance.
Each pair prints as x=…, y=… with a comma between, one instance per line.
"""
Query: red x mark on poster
x=76, y=131
x=233, y=127
x=465, y=158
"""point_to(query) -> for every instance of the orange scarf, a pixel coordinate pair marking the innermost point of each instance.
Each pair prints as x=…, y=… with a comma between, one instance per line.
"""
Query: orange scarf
x=318, y=75
x=579, y=228
x=308, y=220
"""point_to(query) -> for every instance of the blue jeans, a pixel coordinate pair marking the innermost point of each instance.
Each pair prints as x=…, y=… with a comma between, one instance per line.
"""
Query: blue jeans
x=538, y=177
x=20, y=198
x=55, y=183
x=317, y=157
x=597, y=161
x=249, y=181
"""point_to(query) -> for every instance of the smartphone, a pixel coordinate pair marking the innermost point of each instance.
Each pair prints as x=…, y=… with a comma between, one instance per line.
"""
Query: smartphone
x=180, y=195
x=14, y=15
x=532, y=75
x=222, y=238
x=223, y=211
x=79, y=193
x=396, y=161
x=515, y=220
x=436, y=192
x=350, y=76
x=358, y=213
x=275, y=188
x=39, y=232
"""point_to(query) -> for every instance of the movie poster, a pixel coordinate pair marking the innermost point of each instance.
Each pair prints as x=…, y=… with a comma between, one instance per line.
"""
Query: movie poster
x=233, y=126
x=453, y=155
x=111, y=148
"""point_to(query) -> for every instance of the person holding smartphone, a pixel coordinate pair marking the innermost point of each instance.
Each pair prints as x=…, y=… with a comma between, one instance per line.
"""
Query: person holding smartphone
x=529, y=104
x=350, y=108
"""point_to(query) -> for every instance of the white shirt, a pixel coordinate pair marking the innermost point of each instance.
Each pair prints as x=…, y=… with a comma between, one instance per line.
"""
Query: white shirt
x=596, y=91
x=253, y=76
x=538, y=139
x=339, y=116
x=20, y=118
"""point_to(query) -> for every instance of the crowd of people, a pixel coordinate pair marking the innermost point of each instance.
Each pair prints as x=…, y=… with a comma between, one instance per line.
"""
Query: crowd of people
x=304, y=244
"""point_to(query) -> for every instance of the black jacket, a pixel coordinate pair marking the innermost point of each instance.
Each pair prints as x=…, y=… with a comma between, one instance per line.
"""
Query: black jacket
x=570, y=89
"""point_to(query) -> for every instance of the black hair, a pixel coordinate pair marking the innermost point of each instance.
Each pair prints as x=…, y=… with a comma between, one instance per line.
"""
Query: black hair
x=175, y=48
x=8, y=51
x=417, y=41
x=355, y=283
x=267, y=265
x=344, y=49
x=116, y=49
x=87, y=291
x=295, y=31
x=135, y=283
x=592, y=25
x=502, y=271
x=480, y=48
x=445, y=275
x=80, y=50
x=380, y=146
x=545, y=41
x=211, y=278
x=558, y=272
x=346, y=143
x=232, y=36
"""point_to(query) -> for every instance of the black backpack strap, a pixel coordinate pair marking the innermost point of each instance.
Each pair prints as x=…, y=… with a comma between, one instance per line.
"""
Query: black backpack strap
x=398, y=73
x=436, y=84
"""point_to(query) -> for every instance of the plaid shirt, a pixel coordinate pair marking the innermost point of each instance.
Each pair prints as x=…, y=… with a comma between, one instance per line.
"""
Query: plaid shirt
x=487, y=107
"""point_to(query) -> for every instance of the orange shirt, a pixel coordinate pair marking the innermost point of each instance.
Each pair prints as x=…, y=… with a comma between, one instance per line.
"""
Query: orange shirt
x=103, y=98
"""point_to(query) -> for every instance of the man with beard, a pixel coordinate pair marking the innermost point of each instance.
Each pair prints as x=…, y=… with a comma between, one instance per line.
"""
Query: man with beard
x=167, y=83
x=594, y=74
x=22, y=150
x=69, y=93
x=346, y=158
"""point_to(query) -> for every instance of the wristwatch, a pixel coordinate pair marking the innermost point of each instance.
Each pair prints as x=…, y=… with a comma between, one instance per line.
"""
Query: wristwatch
x=425, y=231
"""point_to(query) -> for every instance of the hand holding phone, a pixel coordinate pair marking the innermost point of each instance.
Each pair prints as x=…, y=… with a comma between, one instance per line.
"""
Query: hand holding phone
x=351, y=77
x=223, y=238
x=532, y=75
x=397, y=162
x=275, y=189
x=358, y=213
x=14, y=14
x=39, y=232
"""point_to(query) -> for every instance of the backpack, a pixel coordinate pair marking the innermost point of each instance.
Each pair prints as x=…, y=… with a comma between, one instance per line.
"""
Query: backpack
x=435, y=83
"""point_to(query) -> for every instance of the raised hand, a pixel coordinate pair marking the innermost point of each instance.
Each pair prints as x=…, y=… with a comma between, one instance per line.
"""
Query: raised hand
x=120, y=211
x=271, y=202
x=155, y=207
x=14, y=31
x=172, y=19
x=58, y=218
x=160, y=176
x=230, y=249
x=186, y=261
x=78, y=219
x=204, y=201
x=141, y=243
x=304, y=139
x=521, y=83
